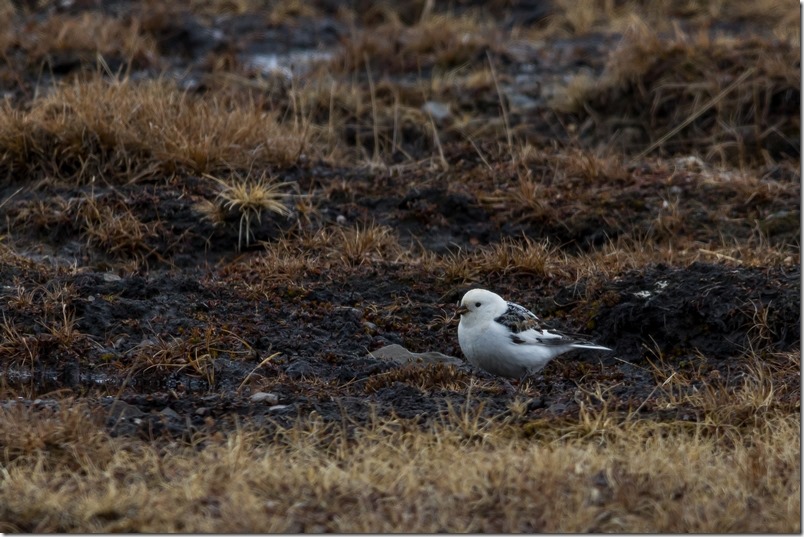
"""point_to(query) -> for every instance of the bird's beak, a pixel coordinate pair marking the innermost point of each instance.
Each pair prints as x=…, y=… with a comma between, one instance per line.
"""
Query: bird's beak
x=462, y=309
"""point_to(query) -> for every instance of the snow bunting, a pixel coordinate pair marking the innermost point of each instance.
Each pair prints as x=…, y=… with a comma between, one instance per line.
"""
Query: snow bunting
x=506, y=339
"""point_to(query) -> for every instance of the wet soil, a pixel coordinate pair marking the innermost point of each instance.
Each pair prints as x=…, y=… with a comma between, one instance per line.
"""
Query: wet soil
x=177, y=332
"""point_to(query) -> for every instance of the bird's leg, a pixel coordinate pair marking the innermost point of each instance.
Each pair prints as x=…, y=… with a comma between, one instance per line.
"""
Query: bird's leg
x=509, y=388
x=522, y=380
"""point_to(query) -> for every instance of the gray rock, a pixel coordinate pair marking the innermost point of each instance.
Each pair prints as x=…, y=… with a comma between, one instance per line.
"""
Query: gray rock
x=110, y=277
x=120, y=410
x=399, y=354
x=170, y=413
x=265, y=397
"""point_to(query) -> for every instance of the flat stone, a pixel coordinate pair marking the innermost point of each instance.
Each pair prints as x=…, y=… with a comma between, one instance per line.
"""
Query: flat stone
x=399, y=354
x=265, y=397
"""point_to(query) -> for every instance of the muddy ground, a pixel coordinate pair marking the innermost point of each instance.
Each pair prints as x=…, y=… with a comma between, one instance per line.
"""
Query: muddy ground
x=178, y=331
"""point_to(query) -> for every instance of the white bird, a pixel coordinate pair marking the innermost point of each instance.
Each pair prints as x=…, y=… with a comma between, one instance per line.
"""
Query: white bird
x=508, y=340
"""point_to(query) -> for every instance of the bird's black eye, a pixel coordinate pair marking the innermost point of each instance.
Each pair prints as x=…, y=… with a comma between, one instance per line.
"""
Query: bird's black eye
x=477, y=304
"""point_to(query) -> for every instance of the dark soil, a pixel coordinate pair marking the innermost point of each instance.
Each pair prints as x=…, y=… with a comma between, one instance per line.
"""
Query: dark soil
x=698, y=318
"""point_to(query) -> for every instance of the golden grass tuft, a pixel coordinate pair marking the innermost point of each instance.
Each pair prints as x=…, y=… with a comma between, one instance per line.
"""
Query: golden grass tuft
x=364, y=244
x=250, y=199
x=352, y=246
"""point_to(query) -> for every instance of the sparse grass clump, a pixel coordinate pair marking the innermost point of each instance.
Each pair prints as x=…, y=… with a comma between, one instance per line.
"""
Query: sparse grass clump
x=111, y=227
x=194, y=351
x=508, y=257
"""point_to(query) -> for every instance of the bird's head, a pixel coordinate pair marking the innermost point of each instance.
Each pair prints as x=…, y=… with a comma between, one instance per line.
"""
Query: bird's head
x=479, y=306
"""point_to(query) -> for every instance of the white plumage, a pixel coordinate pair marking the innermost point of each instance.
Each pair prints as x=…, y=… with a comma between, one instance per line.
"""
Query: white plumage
x=506, y=339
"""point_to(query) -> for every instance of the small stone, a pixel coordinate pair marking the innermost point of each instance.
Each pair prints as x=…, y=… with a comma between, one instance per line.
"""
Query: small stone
x=109, y=277
x=276, y=408
x=439, y=111
x=170, y=413
x=520, y=102
x=264, y=397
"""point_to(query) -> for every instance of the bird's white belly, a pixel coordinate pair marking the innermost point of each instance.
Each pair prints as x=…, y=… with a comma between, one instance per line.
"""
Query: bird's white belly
x=495, y=352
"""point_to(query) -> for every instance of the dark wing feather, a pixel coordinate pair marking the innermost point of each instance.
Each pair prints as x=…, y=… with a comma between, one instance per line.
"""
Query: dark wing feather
x=518, y=319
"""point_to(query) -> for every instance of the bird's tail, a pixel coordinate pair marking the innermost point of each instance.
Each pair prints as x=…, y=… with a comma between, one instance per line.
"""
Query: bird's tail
x=590, y=346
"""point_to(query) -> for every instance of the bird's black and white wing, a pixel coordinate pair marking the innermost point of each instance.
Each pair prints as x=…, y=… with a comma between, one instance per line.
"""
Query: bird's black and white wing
x=527, y=329
x=518, y=319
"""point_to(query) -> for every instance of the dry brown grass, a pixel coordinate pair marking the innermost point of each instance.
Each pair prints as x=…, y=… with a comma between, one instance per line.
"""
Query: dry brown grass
x=695, y=90
x=442, y=41
x=123, y=131
x=194, y=350
x=587, y=16
x=508, y=257
x=113, y=228
x=332, y=249
x=465, y=473
x=86, y=36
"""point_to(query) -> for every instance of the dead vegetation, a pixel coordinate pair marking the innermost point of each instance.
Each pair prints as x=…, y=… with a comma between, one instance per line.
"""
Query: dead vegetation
x=122, y=131
x=212, y=211
x=726, y=94
x=467, y=473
